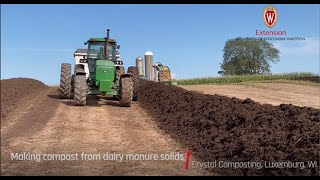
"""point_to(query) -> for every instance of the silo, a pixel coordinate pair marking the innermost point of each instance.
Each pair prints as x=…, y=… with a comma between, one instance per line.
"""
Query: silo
x=139, y=65
x=148, y=57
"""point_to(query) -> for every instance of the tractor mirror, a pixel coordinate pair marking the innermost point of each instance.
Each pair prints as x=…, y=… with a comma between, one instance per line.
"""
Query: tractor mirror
x=85, y=43
x=118, y=46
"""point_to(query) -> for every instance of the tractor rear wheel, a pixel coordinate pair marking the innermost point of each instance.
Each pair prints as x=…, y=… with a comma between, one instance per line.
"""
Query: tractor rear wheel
x=122, y=71
x=79, y=69
x=126, y=92
x=65, y=81
x=119, y=72
x=134, y=71
x=80, y=90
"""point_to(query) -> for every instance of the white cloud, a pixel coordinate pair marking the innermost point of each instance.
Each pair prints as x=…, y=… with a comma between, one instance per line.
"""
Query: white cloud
x=309, y=46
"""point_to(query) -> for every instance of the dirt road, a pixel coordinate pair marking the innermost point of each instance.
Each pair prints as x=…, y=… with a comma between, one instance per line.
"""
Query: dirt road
x=266, y=93
x=42, y=129
x=49, y=125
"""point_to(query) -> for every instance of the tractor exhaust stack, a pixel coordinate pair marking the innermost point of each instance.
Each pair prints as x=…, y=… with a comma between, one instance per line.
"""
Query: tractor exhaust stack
x=107, y=44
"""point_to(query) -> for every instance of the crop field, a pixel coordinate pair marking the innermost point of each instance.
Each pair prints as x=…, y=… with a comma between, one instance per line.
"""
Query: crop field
x=244, y=78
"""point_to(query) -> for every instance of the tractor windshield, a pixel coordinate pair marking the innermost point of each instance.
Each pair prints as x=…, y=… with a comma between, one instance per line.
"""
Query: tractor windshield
x=96, y=51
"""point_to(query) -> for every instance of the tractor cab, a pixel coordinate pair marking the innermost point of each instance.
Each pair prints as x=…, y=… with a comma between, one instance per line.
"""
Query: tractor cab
x=96, y=49
x=103, y=62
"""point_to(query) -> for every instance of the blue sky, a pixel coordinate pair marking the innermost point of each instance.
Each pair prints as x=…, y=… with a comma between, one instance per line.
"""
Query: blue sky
x=36, y=39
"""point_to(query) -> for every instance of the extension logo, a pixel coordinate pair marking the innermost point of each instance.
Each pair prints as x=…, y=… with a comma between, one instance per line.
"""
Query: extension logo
x=270, y=16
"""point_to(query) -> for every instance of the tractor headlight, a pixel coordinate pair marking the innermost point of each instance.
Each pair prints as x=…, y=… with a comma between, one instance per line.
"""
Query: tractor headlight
x=119, y=62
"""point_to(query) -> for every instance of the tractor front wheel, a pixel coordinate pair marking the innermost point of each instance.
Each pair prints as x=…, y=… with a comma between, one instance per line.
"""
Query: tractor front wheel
x=80, y=90
x=126, y=92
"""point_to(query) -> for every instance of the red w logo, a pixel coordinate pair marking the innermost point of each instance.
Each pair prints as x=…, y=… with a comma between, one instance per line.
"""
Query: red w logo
x=270, y=17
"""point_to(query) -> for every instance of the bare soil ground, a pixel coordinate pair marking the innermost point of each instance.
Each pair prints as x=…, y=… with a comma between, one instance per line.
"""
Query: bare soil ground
x=166, y=119
x=46, y=124
x=266, y=93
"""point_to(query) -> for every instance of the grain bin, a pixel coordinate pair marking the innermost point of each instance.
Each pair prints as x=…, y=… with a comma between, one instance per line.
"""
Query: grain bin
x=148, y=57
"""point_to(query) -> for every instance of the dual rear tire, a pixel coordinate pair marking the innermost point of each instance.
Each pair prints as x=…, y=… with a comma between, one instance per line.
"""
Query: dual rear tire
x=65, y=81
x=134, y=71
x=72, y=86
x=80, y=90
x=126, y=92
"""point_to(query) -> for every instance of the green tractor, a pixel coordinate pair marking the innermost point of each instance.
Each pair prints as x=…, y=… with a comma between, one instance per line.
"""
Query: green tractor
x=100, y=73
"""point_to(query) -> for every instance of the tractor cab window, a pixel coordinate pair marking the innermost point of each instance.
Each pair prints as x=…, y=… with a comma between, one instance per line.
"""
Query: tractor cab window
x=112, y=52
x=96, y=51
